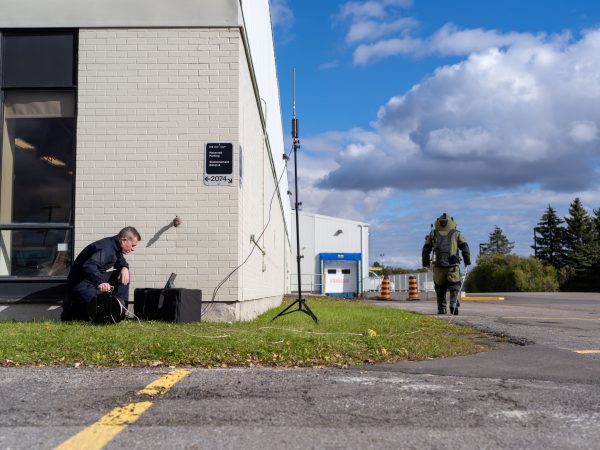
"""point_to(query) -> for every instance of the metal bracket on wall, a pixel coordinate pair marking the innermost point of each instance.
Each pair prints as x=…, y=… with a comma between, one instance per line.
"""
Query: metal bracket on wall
x=253, y=240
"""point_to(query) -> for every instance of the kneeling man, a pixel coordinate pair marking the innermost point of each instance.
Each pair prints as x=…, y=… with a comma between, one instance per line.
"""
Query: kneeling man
x=90, y=275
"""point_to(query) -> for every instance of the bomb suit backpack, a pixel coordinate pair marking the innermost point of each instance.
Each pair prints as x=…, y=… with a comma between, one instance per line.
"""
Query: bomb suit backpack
x=445, y=242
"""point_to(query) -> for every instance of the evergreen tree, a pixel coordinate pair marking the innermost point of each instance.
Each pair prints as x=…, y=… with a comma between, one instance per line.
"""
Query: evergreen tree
x=593, y=274
x=498, y=243
x=579, y=234
x=581, y=246
x=549, y=239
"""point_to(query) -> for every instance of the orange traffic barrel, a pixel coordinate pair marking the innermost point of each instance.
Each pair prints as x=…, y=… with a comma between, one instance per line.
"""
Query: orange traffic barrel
x=385, y=289
x=413, y=290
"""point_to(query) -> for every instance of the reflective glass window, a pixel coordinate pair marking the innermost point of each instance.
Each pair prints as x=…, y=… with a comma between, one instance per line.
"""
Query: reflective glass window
x=36, y=181
x=36, y=253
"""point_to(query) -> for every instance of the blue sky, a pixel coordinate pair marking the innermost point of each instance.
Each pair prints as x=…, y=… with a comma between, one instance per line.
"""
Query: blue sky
x=486, y=110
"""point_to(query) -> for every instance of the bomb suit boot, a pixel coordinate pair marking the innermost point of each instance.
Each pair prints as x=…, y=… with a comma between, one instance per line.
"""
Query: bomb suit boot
x=440, y=293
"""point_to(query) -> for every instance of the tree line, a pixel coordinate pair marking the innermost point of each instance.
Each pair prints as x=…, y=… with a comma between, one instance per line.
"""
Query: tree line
x=566, y=256
x=571, y=245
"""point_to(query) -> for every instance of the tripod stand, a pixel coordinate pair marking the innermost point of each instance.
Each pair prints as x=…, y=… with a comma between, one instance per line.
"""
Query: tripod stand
x=300, y=302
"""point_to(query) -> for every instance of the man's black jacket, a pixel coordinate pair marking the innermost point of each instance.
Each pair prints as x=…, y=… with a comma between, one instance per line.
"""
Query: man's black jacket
x=95, y=260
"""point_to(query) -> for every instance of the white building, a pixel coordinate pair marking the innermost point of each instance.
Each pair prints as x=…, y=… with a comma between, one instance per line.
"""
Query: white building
x=334, y=245
x=111, y=111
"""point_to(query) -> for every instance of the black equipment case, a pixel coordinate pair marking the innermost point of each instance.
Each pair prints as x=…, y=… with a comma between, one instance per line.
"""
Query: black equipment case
x=169, y=305
x=106, y=308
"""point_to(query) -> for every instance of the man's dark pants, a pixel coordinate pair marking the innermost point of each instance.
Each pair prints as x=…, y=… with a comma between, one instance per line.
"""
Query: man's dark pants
x=82, y=293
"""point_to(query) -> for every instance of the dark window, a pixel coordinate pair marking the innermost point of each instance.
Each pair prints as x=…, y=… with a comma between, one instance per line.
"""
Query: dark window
x=36, y=253
x=346, y=271
x=36, y=182
x=38, y=59
x=37, y=152
x=332, y=271
x=42, y=177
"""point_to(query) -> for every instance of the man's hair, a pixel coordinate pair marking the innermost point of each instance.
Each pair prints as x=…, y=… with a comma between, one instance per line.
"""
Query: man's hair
x=129, y=233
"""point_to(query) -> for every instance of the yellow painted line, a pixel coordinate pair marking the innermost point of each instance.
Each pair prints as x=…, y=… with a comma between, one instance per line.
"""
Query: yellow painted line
x=473, y=297
x=588, y=352
x=164, y=383
x=103, y=431
x=97, y=435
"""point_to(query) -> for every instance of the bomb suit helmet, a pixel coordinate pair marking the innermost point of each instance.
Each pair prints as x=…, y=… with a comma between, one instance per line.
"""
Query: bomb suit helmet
x=445, y=223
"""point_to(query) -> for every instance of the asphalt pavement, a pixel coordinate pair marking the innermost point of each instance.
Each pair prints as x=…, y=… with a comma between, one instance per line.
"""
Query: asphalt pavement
x=536, y=392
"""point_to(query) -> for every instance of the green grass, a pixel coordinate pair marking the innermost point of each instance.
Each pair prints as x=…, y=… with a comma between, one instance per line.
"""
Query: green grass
x=349, y=333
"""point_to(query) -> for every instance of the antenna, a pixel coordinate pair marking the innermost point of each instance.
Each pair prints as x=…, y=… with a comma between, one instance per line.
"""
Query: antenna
x=302, y=306
x=294, y=118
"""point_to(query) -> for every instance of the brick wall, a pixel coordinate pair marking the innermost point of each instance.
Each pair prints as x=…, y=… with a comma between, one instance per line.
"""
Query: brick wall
x=263, y=276
x=148, y=102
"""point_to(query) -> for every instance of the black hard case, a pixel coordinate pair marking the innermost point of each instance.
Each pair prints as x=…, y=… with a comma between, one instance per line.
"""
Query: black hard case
x=169, y=305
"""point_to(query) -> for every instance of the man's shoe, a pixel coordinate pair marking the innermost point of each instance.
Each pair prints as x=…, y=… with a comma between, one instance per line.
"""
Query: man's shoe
x=441, y=310
x=454, y=310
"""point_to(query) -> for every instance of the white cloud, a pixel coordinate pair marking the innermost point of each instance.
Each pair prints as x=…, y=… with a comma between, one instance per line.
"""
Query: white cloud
x=362, y=10
x=370, y=29
x=367, y=53
x=459, y=142
x=281, y=13
x=447, y=41
x=328, y=65
x=282, y=18
x=584, y=131
x=500, y=118
x=492, y=140
x=374, y=19
x=450, y=40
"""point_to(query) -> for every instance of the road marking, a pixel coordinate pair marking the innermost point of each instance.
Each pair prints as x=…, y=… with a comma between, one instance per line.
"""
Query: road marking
x=588, y=352
x=97, y=435
x=553, y=318
x=474, y=297
x=164, y=383
x=104, y=430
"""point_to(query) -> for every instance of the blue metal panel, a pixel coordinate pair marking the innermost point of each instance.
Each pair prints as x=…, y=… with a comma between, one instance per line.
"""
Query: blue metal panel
x=340, y=256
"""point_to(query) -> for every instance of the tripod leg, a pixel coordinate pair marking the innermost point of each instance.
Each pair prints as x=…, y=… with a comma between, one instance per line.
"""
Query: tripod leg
x=302, y=306
x=285, y=311
x=308, y=311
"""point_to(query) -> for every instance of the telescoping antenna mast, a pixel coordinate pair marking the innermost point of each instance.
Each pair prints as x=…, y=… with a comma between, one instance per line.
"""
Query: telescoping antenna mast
x=299, y=302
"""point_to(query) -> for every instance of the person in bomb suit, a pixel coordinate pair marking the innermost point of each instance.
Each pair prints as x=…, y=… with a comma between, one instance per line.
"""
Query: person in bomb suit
x=445, y=241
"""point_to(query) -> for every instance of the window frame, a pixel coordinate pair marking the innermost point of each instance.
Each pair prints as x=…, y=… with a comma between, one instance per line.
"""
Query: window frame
x=73, y=88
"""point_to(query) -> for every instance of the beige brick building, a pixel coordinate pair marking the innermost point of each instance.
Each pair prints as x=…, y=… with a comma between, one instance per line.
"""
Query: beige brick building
x=152, y=86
